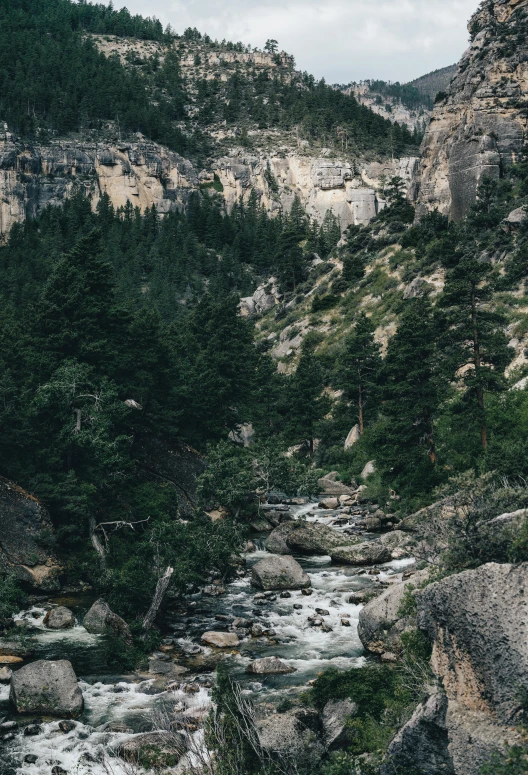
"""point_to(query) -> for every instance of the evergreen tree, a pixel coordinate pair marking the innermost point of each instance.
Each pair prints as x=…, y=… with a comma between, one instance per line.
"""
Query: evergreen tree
x=403, y=439
x=474, y=346
x=359, y=368
x=307, y=404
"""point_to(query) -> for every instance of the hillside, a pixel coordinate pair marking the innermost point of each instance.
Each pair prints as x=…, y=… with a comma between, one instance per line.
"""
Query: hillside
x=432, y=84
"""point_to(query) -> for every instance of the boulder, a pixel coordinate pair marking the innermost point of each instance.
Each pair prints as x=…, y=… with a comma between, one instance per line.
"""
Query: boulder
x=369, y=553
x=162, y=748
x=220, y=640
x=47, y=688
x=399, y=543
x=101, y=620
x=369, y=469
x=330, y=486
x=353, y=437
x=25, y=525
x=335, y=716
x=5, y=675
x=288, y=736
x=305, y=538
x=279, y=573
x=380, y=623
x=269, y=666
x=60, y=618
x=329, y=504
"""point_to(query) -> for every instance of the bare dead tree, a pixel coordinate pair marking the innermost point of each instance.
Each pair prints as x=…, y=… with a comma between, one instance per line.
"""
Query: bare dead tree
x=161, y=588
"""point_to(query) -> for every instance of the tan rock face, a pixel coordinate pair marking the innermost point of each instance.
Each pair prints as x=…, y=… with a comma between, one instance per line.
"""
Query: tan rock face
x=480, y=126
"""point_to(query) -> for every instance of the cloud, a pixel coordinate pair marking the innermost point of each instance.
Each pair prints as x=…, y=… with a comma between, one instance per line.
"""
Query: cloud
x=340, y=40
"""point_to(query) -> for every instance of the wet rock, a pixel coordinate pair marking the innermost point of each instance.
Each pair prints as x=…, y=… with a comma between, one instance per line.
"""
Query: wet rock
x=6, y=727
x=32, y=730
x=326, y=627
x=168, y=669
x=47, y=687
x=257, y=631
x=101, y=620
x=5, y=675
x=370, y=553
x=269, y=666
x=249, y=547
x=213, y=591
x=279, y=573
x=30, y=758
x=241, y=623
x=322, y=612
x=173, y=744
x=345, y=622
x=67, y=726
x=298, y=606
x=334, y=717
x=285, y=595
x=223, y=618
x=59, y=618
x=220, y=640
x=58, y=770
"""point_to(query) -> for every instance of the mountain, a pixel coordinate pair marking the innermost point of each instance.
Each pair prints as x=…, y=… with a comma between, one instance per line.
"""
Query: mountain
x=431, y=84
x=478, y=126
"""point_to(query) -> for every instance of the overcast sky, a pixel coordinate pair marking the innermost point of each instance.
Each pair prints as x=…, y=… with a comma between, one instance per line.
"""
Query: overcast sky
x=341, y=40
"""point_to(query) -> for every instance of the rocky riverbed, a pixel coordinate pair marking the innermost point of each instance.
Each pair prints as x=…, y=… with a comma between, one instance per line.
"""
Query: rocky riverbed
x=276, y=641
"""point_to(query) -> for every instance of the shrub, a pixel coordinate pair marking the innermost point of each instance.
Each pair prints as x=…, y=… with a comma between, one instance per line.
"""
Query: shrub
x=11, y=597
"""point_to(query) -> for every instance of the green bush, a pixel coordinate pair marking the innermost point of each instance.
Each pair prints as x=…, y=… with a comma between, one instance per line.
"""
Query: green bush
x=12, y=599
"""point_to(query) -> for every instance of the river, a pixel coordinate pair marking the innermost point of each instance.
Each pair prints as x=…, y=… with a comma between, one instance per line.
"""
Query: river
x=118, y=707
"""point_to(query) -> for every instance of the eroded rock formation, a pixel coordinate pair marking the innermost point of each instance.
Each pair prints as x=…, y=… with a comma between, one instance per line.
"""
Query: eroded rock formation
x=480, y=125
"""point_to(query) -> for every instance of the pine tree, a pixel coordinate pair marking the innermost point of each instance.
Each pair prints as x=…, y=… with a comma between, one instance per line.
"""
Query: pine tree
x=403, y=439
x=474, y=346
x=358, y=370
x=307, y=404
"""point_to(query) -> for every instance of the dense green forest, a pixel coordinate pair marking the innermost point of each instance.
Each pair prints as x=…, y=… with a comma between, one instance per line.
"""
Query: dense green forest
x=55, y=80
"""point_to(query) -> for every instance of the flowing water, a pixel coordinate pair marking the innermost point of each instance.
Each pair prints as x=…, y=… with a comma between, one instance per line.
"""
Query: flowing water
x=117, y=707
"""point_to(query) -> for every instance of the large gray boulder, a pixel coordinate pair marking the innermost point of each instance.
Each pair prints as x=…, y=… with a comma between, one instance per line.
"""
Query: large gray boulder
x=296, y=745
x=305, y=538
x=477, y=621
x=335, y=715
x=421, y=746
x=25, y=524
x=47, y=688
x=380, y=623
x=269, y=666
x=279, y=573
x=59, y=618
x=368, y=553
x=101, y=620
x=220, y=640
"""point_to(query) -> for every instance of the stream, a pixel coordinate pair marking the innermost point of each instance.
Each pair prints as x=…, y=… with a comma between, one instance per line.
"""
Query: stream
x=120, y=706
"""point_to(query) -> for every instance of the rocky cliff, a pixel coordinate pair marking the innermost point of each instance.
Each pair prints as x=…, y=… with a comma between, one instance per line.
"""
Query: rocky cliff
x=477, y=623
x=146, y=174
x=479, y=126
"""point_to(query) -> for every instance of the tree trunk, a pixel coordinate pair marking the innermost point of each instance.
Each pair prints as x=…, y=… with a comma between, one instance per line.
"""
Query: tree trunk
x=96, y=543
x=161, y=588
x=360, y=412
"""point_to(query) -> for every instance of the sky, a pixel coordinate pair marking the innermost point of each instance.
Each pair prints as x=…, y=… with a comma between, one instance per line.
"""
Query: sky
x=340, y=40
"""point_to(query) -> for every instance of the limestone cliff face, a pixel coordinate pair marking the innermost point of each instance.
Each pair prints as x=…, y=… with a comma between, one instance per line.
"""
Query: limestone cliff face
x=146, y=174
x=480, y=126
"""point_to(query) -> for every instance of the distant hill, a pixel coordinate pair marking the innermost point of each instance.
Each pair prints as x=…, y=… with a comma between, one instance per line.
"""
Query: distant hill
x=429, y=85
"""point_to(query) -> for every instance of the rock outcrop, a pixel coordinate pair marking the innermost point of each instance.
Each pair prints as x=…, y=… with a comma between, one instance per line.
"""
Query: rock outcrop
x=279, y=573
x=369, y=553
x=25, y=526
x=59, y=618
x=47, y=687
x=479, y=126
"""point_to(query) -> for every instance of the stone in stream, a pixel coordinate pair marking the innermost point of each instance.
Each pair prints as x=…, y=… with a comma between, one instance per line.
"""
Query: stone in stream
x=101, y=620
x=9, y=659
x=30, y=758
x=6, y=727
x=161, y=743
x=369, y=553
x=241, y=623
x=305, y=538
x=5, y=675
x=220, y=640
x=47, y=687
x=269, y=666
x=32, y=730
x=329, y=504
x=279, y=573
x=59, y=618
x=67, y=726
